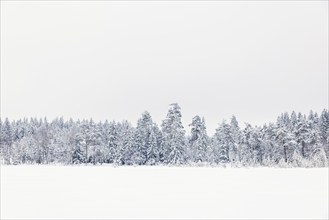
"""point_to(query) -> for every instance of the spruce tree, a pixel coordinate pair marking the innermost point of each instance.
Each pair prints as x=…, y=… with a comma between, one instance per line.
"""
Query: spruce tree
x=199, y=141
x=173, y=136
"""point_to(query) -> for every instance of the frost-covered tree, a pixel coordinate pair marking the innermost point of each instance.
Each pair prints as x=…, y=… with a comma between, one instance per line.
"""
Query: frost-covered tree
x=126, y=143
x=294, y=140
x=92, y=139
x=199, y=148
x=268, y=136
x=152, y=153
x=246, y=151
x=173, y=141
x=286, y=143
x=147, y=150
x=236, y=134
x=319, y=159
x=223, y=143
x=43, y=137
x=6, y=140
x=97, y=147
x=61, y=143
x=27, y=148
x=258, y=146
x=293, y=120
x=253, y=146
x=301, y=131
x=77, y=155
x=113, y=139
x=324, y=130
x=19, y=130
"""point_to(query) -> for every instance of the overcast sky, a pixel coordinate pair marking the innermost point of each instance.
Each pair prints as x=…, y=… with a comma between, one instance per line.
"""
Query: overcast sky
x=113, y=60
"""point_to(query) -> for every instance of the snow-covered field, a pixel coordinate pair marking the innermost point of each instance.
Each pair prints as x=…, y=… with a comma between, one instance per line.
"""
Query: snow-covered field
x=92, y=192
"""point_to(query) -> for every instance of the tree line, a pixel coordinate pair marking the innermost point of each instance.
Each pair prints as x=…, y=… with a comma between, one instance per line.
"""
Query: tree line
x=294, y=140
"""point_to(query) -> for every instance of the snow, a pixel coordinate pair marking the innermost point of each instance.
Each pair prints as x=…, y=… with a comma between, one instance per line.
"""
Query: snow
x=94, y=192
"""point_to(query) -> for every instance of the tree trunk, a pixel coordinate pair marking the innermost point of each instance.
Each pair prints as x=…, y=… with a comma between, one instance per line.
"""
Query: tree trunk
x=285, y=154
x=303, y=149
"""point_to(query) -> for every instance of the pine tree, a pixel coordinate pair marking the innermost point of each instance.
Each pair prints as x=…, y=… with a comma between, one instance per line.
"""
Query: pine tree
x=236, y=139
x=126, y=143
x=6, y=140
x=145, y=143
x=286, y=143
x=223, y=142
x=324, y=130
x=173, y=136
x=77, y=154
x=246, y=145
x=199, y=141
x=301, y=132
x=293, y=121
x=113, y=156
x=152, y=152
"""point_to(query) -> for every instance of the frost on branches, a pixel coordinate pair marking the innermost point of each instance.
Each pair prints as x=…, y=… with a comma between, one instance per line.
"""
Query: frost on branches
x=294, y=140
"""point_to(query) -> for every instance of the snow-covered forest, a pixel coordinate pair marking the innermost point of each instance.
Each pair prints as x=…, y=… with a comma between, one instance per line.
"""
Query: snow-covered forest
x=294, y=140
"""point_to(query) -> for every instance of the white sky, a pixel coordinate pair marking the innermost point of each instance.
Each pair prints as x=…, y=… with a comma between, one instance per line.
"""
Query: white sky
x=113, y=60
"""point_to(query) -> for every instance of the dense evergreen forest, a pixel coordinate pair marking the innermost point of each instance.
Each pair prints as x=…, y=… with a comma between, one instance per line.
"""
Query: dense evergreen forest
x=294, y=140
